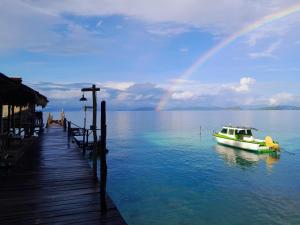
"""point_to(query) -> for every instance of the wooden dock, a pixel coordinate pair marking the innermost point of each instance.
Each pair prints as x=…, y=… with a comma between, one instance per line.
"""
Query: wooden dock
x=53, y=185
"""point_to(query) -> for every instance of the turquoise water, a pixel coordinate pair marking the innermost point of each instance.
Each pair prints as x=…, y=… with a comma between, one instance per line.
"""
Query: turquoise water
x=162, y=171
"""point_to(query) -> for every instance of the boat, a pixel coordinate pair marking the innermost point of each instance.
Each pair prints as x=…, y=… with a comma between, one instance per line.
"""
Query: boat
x=242, y=138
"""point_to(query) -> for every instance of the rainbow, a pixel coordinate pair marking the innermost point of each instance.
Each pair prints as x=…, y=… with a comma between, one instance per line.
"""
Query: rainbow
x=210, y=53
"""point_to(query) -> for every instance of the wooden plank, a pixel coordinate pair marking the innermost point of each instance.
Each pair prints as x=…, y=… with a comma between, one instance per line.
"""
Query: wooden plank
x=54, y=185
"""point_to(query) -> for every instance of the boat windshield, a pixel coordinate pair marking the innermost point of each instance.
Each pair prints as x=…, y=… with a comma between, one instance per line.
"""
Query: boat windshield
x=224, y=131
x=244, y=132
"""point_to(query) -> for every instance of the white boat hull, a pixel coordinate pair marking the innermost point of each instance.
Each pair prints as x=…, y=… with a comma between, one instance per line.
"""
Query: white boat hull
x=241, y=145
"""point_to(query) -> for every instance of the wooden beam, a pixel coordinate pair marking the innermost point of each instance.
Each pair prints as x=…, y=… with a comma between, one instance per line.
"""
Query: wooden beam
x=90, y=89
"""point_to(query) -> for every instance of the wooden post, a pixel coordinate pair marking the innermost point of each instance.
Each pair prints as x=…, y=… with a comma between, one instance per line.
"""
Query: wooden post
x=94, y=131
x=87, y=137
x=65, y=124
x=9, y=118
x=69, y=128
x=13, y=119
x=32, y=119
x=1, y=118
x=103, y=167
x=83, y=142
x=94, y=126
x=20, y=120
x=84, y=132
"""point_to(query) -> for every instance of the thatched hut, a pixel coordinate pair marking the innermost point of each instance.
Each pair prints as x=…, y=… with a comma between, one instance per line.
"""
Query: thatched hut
x=17, y=107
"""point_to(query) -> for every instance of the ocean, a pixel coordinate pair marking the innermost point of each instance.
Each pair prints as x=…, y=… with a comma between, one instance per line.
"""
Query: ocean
x=165, y=168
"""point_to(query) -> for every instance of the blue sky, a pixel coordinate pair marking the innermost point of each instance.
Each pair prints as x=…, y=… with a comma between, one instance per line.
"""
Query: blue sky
x=134, y=50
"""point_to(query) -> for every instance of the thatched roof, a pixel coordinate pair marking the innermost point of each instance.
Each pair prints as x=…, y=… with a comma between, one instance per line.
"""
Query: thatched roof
x=13, y=92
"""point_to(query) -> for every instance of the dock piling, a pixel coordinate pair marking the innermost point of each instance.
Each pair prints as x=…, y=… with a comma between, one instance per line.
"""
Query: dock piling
x=65, y=124
x=103, y=166
x=69, y=128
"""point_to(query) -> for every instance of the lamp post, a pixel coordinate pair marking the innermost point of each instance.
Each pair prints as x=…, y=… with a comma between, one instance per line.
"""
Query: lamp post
x=83, y=99
x=93, y=89
x=103, y=167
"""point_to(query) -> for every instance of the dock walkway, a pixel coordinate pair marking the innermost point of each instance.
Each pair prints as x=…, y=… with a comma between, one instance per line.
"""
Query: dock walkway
x=54, y=185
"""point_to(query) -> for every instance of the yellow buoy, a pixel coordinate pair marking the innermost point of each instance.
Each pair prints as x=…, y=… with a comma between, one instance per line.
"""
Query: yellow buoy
x=270, y=143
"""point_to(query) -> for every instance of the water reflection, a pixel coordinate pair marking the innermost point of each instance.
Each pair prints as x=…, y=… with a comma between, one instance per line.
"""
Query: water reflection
x=244, y=158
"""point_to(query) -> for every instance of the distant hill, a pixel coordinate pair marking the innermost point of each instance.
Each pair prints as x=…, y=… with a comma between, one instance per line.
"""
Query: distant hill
x=238, y=108
x=281, y=107
x=195, y=108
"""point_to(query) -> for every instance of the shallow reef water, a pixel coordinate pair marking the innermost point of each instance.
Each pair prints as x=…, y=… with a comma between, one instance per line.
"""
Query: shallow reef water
x=165, y=170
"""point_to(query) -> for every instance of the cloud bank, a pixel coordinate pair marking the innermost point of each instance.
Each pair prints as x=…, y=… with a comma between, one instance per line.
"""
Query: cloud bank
x=49, y=26
x=134, y=96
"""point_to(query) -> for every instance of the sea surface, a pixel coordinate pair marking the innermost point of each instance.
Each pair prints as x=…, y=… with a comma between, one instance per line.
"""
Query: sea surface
x=164, y=168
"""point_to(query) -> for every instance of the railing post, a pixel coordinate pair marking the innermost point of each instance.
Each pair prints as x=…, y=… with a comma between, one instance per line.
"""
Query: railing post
x=103, y=167
x=13, y=119
x=20, y=120
x=83, y=141
x=87, y=138
x=65, y=124
x=69, y=128
x=49, y=120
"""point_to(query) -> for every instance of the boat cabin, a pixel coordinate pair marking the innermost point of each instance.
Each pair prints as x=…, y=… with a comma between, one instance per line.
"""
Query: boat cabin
x=240, y=133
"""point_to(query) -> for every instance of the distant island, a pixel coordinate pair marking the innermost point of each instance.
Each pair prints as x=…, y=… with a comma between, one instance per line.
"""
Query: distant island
x=280, y=108
x=239, y=108
x=196, y=108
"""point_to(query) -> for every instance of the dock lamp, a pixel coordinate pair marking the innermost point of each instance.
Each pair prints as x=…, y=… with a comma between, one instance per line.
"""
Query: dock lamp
x=83, y=99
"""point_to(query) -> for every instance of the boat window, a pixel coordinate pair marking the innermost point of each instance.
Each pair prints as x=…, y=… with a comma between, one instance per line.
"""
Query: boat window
x=241, y=132
x=249, y=132
x=224, y=131
x=231, y=132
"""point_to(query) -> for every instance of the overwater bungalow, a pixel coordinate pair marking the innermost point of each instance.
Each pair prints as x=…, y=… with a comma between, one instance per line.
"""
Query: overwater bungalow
x=20, y=123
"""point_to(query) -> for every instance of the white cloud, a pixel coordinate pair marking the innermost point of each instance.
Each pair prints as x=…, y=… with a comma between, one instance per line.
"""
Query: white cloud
x=32, y=25
x=99, y=24
x=268, y=52
x=123, y=96
x=281, y=99
x=205, y=13
x=191, y=94
x=118, y=85
x=185, y=95
x=198, y=88
x=66, y=94
x=184, y=50
x=167, y=29
x=244, y=85
x=268, y=32
x=37, y=29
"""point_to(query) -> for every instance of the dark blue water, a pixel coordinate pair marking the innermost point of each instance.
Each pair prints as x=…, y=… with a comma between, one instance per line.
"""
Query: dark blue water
x=162, y=171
